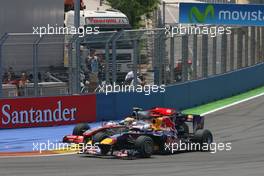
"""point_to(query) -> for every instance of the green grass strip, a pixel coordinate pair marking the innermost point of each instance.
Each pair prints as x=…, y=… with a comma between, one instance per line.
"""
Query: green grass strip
x=224, y=102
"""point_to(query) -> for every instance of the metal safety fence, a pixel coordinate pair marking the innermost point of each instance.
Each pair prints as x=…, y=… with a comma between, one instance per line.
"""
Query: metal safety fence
x=48, y=65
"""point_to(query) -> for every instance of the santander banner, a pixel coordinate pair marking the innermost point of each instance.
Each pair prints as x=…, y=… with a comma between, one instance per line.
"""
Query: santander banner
x=47, y=111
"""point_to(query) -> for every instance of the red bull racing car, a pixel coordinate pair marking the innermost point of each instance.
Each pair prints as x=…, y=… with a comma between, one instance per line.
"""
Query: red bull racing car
x=159, y=130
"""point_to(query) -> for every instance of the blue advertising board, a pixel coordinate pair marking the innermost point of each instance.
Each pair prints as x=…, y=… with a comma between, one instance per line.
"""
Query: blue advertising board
x=222, y=14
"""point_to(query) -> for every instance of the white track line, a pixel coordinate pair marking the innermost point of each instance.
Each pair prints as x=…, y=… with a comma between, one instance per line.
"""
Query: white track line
x=232, y=104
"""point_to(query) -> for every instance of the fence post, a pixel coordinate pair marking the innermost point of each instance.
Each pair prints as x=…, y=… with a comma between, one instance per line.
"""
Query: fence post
x=172, y=62
x=231, y=49
x=160, y=70
x=107, y=63
x=246, y=46
x=262, y=41
x=160, y=61
x=70, y=68
x=114, y=77
x=155, y=60
x=1, y=70
x=35, y=62
x=35, y=65
x=78, y=65
x=184, y=58
x=258, y=45
x=2, y=40
x=76, y=77
x=252, y=46
x=204, y=55
x=77, y=4
x=194, y=63
x=163, y=59
x=163, y=13
x=214, y=60
x=135, y=58
x=115, y=38
x=239, y=48
x=223, y=52
x=75, y=68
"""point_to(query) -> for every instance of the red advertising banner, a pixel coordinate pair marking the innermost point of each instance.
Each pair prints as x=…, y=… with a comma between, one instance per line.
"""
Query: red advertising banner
x=47, y=111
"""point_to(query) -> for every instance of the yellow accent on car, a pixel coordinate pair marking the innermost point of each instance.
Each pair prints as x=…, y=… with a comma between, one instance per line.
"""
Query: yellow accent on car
x=107, y=141
x=157, y=123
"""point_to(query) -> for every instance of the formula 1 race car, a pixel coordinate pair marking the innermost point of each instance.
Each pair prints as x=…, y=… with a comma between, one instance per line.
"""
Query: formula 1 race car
x=83, y=132
x=159, y=130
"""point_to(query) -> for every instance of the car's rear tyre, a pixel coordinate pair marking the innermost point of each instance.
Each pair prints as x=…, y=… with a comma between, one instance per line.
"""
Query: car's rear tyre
x=144, y=145
x=79, y=129
x=203, y=137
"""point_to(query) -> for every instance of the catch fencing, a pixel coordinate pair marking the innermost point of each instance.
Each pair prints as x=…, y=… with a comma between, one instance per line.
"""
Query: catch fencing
x=49, y=65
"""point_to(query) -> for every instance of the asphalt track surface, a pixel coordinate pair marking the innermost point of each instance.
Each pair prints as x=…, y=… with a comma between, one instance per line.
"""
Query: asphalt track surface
x=241, y=124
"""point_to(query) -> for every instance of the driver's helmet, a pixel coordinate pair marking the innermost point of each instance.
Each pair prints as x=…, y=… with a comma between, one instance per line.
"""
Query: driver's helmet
x=128, y=121
x=111, y=123
x=141, y=125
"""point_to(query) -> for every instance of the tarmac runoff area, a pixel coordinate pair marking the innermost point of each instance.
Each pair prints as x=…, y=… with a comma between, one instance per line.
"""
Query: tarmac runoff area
x=240, y=124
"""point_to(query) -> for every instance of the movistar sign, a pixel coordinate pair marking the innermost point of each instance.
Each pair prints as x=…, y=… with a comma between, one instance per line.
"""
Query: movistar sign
x=200, y=17
x=222, y=14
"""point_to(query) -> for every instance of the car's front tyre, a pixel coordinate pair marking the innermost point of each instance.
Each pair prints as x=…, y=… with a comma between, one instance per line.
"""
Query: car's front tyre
x=79, y=129
x=144, y=145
